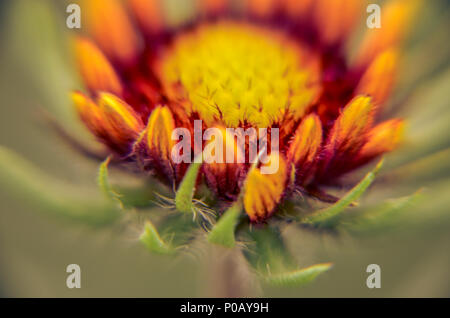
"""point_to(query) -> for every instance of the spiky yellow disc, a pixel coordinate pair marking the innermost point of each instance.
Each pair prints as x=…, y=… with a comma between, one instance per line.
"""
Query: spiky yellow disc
x=237, y=74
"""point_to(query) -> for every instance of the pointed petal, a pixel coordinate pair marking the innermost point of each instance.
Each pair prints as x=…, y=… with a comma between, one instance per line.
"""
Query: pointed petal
x=346, y=138
x=149, y=14
x=336, y=18
x=383, y=138
x=261, y=8
x=159, y=133
x=306, y=144
x=212, y=7
x=89, y=113
x=263, y=192
x=297, y=9
x=97, y=72
x=222, y=176
x=349, y=129
x=118, y=113
x=110, y=26
x=379, y=78
x=122, y=124
x=397, y=17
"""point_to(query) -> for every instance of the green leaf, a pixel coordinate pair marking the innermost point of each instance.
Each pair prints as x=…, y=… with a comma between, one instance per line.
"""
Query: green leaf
x=267, y=254
x=223, y=232
x=153, y=241
x=185, y=192
x=299, y=277
x=28, y=184
x=141, y=196
x=381, y=216
x=266, y=251
x=325, y=217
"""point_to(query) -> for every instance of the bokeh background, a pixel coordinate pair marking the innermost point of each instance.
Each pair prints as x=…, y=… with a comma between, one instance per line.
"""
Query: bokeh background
x=35, y=248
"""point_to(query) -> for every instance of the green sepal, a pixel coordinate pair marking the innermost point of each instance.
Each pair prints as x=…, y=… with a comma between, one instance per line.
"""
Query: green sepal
x=299, y=277
x=381, y=216
x=175, y=232
x=103, y=182
x=185, y=193
x=40, y=191
x=272, y=261
x=223, y=232
x=140, y=196
x=326, y=217
x=153, y=241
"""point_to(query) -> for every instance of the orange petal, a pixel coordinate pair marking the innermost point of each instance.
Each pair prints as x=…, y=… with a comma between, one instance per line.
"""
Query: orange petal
x=124, y=125
x=379, y=77
x=306, y=142
x=223, y=176
x=383, y=138
x=263, y=192
x=89, y=113
x=296, y=8
x=212, y=7
x=397, y=17
x=229, y=146
x=336, y=18
x=149, y=14
x=110, y=26
x=261, y=8
x=349, y=130
x=97, y=72
x=159, y=132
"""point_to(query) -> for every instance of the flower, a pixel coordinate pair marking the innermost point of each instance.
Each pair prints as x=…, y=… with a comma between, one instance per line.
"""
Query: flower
x=271, y=64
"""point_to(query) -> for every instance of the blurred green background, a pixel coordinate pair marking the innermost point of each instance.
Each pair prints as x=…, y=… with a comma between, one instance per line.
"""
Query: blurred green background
x=36, y=74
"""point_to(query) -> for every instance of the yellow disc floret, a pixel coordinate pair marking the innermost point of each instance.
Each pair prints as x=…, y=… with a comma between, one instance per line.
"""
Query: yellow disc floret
x=236, y=74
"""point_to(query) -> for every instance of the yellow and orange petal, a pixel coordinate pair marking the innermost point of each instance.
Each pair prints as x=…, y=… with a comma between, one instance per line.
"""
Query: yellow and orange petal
x=297, y=9
x=95, y=69
x=261, y=8
x=263, y=192
x=212, y=7
x=306, y=144
x=123, y=125
x=109, y=119
x=148, y=14
x=159, y=133
x=109, y=24
x=378, y=80
x=223, y=163
x=349, y=130
x=336, y=18
x=397, y=17
x=383, y=138
x=89, y=113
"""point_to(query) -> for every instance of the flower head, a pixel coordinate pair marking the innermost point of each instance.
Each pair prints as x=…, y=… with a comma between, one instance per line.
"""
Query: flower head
x=242, y=68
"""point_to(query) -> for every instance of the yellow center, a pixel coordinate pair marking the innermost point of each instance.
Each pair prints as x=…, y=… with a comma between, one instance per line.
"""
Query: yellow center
x=236, y=74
